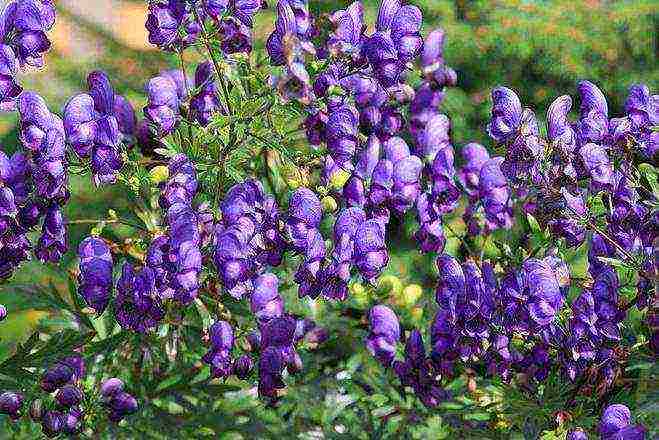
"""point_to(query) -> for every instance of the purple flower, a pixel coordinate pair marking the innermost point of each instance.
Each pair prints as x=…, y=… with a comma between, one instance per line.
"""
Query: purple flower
x=52, y=242
x=564, y=221
x=95, y=278
x=474, y=156
x=92, y=127
x=206, y=101
x=445, y=193
x=293, y=22
x=451, y=284
x=10, y=404
x=544, y=295
x=232, y=259
x=235, y=36
x=121, y=404
x=184, y=251
x=126, y=118
x=43, y=134
x=402, y=24
x=136, y=306
x=3, y=313
x=24, y=26
x=9, y=88
x=308, y=275
x=418, y=372
x=348, y=35
x=433, y=137
x=57, y=376
x=52, y=423
x=265, y=301
x=495, y=195
x=370, y=254
x=384, y=333
x=577, y=434
x=243, y=366
x=277, y=352
x=430, y=236
x=383, y=57
x=304, y=214
x=597, y=165
x=219, y=355
x=616, y=424
x=506, y=115
x=166, y=21
x=111, y=386
x=341, y=134
x=593, y=114
x=335, y=277
x=69, y=395
x=162, y=109
x=405, y=189
x=181, y=185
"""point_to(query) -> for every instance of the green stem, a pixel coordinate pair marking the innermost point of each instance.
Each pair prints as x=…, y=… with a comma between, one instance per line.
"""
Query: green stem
x=187, y=90
x=216, y=65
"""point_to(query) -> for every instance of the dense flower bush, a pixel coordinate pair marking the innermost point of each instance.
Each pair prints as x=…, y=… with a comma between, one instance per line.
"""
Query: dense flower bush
x=251, y=179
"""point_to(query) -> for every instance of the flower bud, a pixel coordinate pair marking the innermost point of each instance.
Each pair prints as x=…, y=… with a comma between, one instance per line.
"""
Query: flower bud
x=36, y=410
x=411, y=294
x=159, y=174
x=111, y=387
x=10, y=404
x=329, y=204
x=389, y=285
x=69, y=395
x=243, y=366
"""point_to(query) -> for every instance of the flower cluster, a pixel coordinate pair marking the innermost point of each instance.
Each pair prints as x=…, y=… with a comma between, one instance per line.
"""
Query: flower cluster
x=616, y=423
x=119, y=402
x=66, y=417
x=23, y=41
x=95, y=278
x=96, y=123
x=249, y=238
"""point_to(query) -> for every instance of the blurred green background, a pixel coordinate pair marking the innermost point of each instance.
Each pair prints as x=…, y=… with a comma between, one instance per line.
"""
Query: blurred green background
x=539, y=48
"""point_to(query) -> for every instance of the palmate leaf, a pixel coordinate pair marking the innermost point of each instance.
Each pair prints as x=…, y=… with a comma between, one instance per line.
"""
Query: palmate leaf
x=35, y=353
x=47, y=298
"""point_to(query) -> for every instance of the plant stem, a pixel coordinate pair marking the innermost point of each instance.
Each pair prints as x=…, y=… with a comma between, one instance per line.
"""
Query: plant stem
x=187, y=90
x=216, y=65
x=115, y=221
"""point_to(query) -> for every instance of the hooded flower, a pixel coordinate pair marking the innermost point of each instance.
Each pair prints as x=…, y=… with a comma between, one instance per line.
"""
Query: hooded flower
x=136, y=305
x=593, y=124
x=9, y=88
x=184, y=251
x=265, y=301
x=10, y=404
x=23, y=28
x=370, y=254
x=92, y=127
x=42, y=133
x=95, y=278
x=172, y=25
x=506, y=115
x=348, y=35
x=495, y=195
x=304, y=214
x=206, y=101
x=616, y=423
x=219, y=355
x=294, y=21
x=52, y=242
x=474, y=156
x=417, y=371
x=181, y=184
x=384, y=333
x=162, y=109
